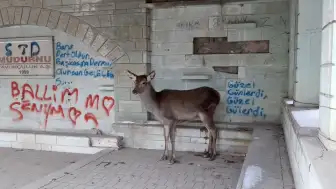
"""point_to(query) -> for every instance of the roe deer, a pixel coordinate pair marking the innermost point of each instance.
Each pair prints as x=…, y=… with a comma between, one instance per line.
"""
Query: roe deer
x=173, y=106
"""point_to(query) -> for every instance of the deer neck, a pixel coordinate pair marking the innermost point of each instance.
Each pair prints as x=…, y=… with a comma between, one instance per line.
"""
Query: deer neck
x=149, y=99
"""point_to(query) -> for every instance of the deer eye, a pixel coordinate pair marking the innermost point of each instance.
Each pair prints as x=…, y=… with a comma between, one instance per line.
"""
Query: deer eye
x=143, y=83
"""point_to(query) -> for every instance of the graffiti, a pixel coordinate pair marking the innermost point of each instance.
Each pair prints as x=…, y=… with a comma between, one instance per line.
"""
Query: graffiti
x=264, y=21
x=50, y=101
x=72, y=62
x=61, y=82
x=27, y=58
x=188, y=25
x=219, y=21
x=268, y=21
x=85, y=72
x=34, y=49
x=241, y=98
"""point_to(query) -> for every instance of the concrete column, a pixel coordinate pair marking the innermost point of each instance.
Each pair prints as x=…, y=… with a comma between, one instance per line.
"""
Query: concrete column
x=327, y=120
x=308, y=54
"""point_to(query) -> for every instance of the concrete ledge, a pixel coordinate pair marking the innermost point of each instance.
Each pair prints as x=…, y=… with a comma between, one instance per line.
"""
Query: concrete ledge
x=266, y=164
x=188, y=138
x=58, y=142
x=312, y=165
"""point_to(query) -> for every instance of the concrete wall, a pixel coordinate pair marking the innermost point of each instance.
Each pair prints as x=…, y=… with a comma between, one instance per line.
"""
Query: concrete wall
x=173, y=30
x=139, y=39
x=110, y=31
x=13, y=90
x=308, y=52
x=305, y=152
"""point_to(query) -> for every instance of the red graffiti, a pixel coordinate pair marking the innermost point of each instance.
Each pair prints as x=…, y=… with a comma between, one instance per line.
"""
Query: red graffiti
x=27, y=90
x=20, y=115
x=90, y=116
x=108, y=108
x=40, y=101
x=74, y=114
x=90, y=102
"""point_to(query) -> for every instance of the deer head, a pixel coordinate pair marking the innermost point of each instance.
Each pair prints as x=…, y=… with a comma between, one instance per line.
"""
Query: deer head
x=141, y=82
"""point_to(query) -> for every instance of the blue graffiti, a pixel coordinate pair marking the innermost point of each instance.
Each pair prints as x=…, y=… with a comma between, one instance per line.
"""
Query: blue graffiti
x=239, y=84
x=34, y=49
x=85, y=72
x=237, y=101
x=8, y=50
x=246, y=92
x=72, y=54
x=63, y=47
x=239, y=110
x=60, y=82
x=241, y=98
x=83, y=63
x=67, y=57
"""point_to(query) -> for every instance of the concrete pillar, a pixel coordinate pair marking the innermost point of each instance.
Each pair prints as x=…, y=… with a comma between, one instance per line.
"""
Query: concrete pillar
x=327, y=118
x=308, y=54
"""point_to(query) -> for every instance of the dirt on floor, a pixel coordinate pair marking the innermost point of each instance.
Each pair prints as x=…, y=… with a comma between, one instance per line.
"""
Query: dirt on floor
x=20, y=167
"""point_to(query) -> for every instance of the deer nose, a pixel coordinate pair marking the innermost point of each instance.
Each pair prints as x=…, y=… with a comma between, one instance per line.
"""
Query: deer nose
x=134, y=91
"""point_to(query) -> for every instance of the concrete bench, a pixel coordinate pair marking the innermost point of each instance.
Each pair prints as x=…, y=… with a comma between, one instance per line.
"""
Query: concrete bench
x=266, y=164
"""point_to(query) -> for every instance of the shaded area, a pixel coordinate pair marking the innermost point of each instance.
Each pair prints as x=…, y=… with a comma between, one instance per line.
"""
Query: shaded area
x=20, y=167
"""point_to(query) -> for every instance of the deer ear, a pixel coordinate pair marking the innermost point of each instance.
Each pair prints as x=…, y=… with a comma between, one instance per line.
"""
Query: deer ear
x=131, y=75
x=151, y=76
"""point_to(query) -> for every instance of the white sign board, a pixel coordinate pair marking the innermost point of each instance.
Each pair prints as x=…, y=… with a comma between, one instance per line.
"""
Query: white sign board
x=27, y=57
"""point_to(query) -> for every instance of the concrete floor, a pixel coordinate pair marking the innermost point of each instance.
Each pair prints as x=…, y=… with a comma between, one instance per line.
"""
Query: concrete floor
x=140, y=169
x=20, y=167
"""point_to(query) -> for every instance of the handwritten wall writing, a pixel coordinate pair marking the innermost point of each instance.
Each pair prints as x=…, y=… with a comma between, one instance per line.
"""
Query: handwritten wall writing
x=241, y=97
x=27, y=57
x=189, y=25
x=61, y=82
x=260, y=20
x=72, y=62
x=49, y=101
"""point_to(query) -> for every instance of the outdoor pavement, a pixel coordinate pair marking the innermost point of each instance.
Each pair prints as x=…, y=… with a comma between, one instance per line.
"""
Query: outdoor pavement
x=20, y=167
x=140, y=169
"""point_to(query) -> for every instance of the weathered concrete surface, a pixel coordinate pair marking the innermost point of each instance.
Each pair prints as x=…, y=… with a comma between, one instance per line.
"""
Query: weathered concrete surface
x=266, y=165
x=139, y=169
x=19, y=167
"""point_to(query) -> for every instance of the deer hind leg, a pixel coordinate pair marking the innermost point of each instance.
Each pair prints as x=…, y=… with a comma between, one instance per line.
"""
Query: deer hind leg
x=212, y=131
x=166, y=139
x=206, y=152
x=172, y=134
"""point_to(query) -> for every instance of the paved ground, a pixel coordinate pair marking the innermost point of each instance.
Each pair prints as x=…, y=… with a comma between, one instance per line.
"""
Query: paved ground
x=20, y=167
x=139, y=169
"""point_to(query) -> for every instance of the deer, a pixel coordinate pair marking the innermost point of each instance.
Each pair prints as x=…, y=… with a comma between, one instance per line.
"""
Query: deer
x=171, y=107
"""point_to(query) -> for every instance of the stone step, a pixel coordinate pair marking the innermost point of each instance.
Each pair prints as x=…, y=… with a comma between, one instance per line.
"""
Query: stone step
x=188, y=138
x=59, y=142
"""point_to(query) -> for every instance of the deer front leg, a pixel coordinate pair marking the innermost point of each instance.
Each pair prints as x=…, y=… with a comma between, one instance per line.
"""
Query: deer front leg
x=172, y=134
x=166, y=138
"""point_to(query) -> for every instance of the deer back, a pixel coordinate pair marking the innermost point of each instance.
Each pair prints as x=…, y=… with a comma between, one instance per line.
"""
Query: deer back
x=186, y=104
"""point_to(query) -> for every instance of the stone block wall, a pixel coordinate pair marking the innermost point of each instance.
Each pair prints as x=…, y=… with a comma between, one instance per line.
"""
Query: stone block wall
x=174, y=59
x=127, y=23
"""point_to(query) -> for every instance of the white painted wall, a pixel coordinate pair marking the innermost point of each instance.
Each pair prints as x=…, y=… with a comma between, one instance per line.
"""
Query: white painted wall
x=307, y=76
x=86, y=85
x=173, y=30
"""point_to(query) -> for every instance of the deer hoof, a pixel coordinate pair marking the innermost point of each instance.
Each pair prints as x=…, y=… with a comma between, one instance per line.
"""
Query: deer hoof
x=173, y=161
x=213, y=157
x=163, y=157
x=206, y=155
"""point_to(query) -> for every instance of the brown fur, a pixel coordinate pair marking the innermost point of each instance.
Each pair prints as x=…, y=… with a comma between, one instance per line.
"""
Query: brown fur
x=173, y=106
